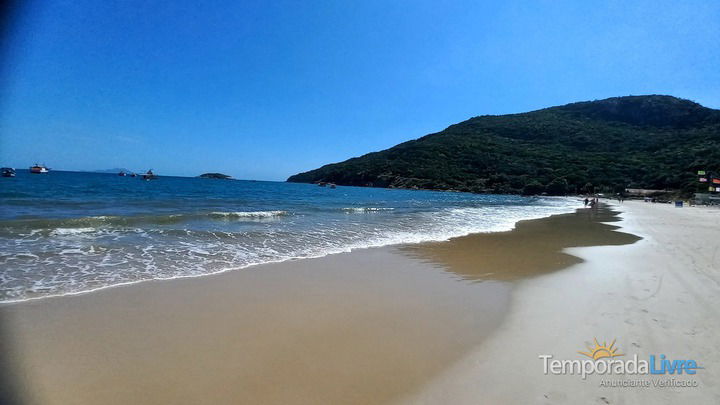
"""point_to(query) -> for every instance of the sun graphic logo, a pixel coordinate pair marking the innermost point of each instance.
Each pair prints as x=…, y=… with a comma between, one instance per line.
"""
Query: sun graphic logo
x=601, y=351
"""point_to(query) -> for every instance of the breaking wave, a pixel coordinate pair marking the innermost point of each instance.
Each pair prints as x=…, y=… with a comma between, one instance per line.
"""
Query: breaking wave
x=365, y=210
x=249, y=214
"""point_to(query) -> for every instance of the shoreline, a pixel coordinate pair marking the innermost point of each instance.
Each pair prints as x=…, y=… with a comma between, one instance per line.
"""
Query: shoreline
x=384, y=316
x=347, y=250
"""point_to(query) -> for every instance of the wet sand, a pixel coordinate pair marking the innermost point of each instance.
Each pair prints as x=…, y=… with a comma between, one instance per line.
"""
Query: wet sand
x=532, y=248
x=370, y=326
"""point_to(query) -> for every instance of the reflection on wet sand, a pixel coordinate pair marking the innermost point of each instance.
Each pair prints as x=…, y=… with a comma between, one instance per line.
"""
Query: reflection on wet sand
x=533, y=248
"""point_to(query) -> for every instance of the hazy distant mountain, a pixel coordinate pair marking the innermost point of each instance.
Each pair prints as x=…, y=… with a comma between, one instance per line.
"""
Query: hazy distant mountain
x=116, y=170
x=651, y=141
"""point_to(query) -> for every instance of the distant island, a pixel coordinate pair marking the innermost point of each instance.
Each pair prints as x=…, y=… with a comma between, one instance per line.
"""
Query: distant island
x=644, y=142
x=215, y=176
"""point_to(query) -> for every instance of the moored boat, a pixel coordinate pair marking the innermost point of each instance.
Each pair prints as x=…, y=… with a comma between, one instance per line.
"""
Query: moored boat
x=149, y=175
x=39, y=169
x=8, y=172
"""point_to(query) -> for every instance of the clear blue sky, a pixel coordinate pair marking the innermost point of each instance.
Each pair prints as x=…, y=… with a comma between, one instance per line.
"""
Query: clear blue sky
x=263, y=90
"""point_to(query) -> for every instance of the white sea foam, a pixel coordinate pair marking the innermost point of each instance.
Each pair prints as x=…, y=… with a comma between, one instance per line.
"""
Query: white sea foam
x=249, y=214
x=63, y=263
x=71, y=231
x=363, y=210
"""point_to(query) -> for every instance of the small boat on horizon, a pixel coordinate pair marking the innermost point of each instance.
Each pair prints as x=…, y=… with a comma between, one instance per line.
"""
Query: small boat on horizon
x=122, y=174
x=8, y=172
x=39, y=169
x=149, y=175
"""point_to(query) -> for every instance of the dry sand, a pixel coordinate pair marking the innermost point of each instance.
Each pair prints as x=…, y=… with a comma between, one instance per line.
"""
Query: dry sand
x=660, y=295
x=410, y=323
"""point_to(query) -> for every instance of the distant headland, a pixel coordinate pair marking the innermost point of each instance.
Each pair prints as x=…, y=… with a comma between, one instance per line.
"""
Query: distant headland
x=645, y=142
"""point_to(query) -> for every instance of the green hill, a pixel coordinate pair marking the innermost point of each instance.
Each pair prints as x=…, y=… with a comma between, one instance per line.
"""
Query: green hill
x=655, y=142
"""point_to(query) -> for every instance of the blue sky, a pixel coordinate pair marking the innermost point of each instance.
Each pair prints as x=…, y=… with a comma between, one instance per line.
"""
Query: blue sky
x=262, y=90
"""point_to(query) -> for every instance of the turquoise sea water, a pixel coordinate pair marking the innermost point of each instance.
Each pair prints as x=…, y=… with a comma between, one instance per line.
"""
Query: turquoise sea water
x=69, y=232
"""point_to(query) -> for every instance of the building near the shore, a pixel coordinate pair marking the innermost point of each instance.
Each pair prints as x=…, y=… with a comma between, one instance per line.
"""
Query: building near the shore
x=706, y=199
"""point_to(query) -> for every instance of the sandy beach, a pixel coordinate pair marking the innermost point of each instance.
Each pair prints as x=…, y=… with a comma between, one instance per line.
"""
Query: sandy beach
x=656, y=296
x=359, y=203
x=450, y=322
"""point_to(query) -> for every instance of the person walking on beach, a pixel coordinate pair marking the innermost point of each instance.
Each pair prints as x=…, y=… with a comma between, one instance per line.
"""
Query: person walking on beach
x=586, y=201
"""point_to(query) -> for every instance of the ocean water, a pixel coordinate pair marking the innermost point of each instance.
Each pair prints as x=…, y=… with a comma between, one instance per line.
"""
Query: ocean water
x=70, y=232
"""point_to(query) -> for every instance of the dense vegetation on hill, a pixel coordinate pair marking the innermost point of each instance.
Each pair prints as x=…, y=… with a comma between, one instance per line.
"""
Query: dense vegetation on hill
x=653, y=142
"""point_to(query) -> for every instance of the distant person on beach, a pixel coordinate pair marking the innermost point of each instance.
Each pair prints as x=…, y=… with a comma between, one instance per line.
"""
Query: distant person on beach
x=586, y=201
